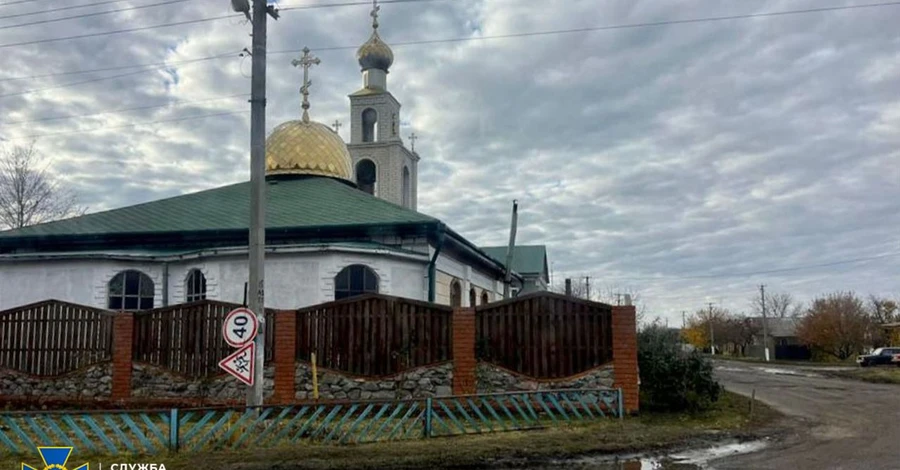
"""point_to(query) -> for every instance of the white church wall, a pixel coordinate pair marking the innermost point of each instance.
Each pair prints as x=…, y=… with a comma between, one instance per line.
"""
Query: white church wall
x=450, y=268
x=407, y=285
x=77, y=281
x=291, y=279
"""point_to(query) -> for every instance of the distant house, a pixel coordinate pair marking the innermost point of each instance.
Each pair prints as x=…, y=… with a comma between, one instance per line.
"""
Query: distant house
x=783, y=340
x=529, y=261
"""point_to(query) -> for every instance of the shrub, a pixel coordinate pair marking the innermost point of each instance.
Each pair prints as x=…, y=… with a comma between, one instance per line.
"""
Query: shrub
x=672, y=379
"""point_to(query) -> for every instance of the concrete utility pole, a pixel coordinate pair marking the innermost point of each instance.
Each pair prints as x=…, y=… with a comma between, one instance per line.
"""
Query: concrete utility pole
x=568, y=287
x=712, y=336
x=258, y=193
x=762, y=293
x=587, y=286
x=510, y=249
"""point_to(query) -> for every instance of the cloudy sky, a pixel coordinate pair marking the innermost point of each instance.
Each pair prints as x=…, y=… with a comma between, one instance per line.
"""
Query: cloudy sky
x=686, y=162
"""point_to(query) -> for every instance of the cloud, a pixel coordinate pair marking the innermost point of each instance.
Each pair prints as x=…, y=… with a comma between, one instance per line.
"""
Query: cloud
x=641, y=157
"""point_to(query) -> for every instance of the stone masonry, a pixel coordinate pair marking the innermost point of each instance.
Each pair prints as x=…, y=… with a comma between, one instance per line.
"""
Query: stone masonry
x=94, y=381
x=491, y=378
x=149, y=381
x=428, y=381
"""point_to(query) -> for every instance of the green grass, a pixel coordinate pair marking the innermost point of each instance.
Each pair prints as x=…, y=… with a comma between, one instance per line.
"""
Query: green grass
x=650, y=431
x=878, y=375
x=757, y=360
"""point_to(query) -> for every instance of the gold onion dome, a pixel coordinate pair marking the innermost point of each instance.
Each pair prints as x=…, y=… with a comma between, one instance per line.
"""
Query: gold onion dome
x=307, y=148
x=375, y=54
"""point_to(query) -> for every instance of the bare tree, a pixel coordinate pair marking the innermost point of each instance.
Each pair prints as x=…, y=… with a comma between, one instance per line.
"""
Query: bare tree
x=778, y=305
x=29, y=194
x=607, y=295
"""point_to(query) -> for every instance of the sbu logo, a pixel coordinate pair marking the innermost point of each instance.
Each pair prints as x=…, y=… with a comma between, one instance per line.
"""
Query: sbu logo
x=54, y=458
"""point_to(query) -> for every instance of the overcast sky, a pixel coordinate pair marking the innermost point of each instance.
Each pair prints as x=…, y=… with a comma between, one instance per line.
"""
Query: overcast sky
x=673, y=161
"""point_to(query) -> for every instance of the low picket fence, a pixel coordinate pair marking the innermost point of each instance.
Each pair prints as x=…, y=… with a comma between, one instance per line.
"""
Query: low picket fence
x=193, y=430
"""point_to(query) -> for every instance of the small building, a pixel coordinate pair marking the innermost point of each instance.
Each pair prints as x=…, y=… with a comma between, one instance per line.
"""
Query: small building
x=783, y=340
x=529, y=261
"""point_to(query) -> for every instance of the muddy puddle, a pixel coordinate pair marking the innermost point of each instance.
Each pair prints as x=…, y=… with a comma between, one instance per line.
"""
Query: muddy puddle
x=700, y=458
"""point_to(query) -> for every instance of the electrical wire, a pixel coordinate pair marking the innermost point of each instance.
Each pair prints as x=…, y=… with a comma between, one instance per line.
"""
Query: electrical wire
x=122, y=110
x=54, y=10
x=95, y=129
x=88, y=15
x=15, y=3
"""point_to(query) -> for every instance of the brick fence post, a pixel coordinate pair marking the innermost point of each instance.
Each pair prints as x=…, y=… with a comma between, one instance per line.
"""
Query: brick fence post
x=123, y=354
x=463, y=351
x=625, y=364
x=285, y=354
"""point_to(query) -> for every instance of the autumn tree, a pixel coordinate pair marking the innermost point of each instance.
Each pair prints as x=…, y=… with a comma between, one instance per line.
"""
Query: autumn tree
x=29, y=194
x=836, y=324
x=697, y=328
x=882, y=311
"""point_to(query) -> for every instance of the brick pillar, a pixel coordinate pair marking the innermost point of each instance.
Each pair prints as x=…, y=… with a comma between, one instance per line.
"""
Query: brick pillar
x=123, y=342
x=463, y=351
x=285, y=354
x=625, y=364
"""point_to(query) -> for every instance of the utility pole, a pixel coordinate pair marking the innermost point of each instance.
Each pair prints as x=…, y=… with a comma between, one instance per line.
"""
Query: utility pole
x=587, y=286
x=510, y=250
x=257, y=246
x=683, y=322
x=712, y=336
x=762, y=293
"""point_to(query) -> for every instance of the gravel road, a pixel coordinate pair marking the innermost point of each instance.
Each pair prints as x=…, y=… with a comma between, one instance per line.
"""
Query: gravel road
x=833, y=423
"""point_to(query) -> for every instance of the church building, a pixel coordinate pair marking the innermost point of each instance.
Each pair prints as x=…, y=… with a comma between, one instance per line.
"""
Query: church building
x=341, y=220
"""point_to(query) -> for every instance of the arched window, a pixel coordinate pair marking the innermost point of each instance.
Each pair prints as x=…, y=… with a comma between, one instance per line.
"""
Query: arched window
x=455, y=294
x=370, y=125
x=473, y=297
x=485, y=298
x=406, y=188
x=354, y=280
x=366, y=176
x=130, y=290
x=195, y=286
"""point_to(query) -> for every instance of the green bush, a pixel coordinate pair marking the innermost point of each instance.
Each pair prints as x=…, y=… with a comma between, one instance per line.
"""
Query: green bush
x=672, y=379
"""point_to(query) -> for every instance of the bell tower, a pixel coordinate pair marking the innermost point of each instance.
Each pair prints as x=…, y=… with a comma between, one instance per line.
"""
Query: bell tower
x=382, y=165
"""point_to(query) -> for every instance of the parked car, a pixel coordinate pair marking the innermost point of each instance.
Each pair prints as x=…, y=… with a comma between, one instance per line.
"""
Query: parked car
x=879, y=357
x=896, y=359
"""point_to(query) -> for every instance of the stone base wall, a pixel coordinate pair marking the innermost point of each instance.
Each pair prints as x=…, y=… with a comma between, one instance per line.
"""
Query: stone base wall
x=490, y=378
x=94, y=381
x=149, y=381
x=428, y=381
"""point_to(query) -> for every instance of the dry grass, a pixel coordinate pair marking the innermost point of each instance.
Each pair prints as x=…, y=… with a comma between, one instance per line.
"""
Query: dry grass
x=878, y=375
x=647, y=432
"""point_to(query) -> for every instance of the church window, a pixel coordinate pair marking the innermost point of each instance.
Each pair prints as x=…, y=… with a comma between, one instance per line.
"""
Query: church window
x=355, y=280
x=406, y=188
x=195, y=286
x=130, y=290
x=455, y=294
x=366, y=176
x=473, y=297
x=370, y=125
x=485, y=298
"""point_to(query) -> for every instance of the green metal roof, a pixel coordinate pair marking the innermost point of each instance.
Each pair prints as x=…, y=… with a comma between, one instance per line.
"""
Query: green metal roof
x=527, y=259
x=309, y=202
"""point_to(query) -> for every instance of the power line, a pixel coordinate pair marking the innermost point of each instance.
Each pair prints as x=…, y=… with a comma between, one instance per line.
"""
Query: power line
x=15, y=3
x=122, y=110
x=504, y=36
x=54, y=10
x=87, y=15
x=95, y=129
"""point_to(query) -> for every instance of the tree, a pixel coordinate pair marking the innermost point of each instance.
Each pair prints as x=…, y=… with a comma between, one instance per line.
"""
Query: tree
x=607, y=295
x=29, y=194
x=778, y=305
x=836, y=324
x=881, y=311
x=697, y=329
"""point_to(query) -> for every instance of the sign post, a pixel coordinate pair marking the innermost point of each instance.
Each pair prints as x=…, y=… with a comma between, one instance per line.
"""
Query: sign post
x=240, y=330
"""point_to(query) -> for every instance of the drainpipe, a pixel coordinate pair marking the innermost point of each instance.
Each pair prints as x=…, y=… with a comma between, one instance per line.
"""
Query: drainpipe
x=433, y=264
x=165, y=293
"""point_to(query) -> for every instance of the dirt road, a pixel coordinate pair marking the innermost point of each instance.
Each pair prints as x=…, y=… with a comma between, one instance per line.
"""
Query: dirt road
x=834, y=423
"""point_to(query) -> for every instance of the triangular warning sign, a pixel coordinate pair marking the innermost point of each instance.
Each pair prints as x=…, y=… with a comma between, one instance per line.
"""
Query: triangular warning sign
x=241, y=363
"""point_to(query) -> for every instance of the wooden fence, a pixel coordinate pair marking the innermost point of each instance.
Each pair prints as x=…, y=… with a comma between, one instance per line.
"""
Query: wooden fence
x=374, y=334
x=544, y=335
x=51, y=338
x=187, y=338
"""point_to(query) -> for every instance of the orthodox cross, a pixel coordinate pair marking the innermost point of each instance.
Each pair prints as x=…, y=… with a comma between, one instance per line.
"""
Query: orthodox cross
x=337, y=125
x=412, y=138
x=306, y=62
x=375, y=9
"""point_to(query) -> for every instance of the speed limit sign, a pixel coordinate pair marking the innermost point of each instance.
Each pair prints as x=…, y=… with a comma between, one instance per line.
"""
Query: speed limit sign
x=240, y=327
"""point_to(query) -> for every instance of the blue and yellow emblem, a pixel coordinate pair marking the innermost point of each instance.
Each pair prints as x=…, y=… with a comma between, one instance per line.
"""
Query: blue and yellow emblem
x=54, y=458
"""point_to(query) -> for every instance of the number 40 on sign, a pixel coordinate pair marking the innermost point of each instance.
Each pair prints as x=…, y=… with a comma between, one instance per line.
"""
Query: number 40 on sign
x=239, y=330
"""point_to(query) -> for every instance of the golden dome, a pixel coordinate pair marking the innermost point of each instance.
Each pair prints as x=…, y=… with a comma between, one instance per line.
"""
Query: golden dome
x=375, y=54
x=307, y=148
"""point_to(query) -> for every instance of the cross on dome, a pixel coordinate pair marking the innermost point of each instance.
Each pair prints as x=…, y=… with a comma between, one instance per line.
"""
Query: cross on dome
x=306, y=62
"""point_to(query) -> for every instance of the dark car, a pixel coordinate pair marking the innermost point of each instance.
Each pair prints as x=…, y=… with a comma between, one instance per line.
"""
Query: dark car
x=879, y=357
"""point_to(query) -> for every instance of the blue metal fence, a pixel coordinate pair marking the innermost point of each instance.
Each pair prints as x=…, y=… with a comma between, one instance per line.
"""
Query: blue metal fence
x=191, y=430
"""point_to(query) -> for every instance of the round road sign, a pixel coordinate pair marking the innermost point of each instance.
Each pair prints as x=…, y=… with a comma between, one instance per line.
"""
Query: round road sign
x=240, y=327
